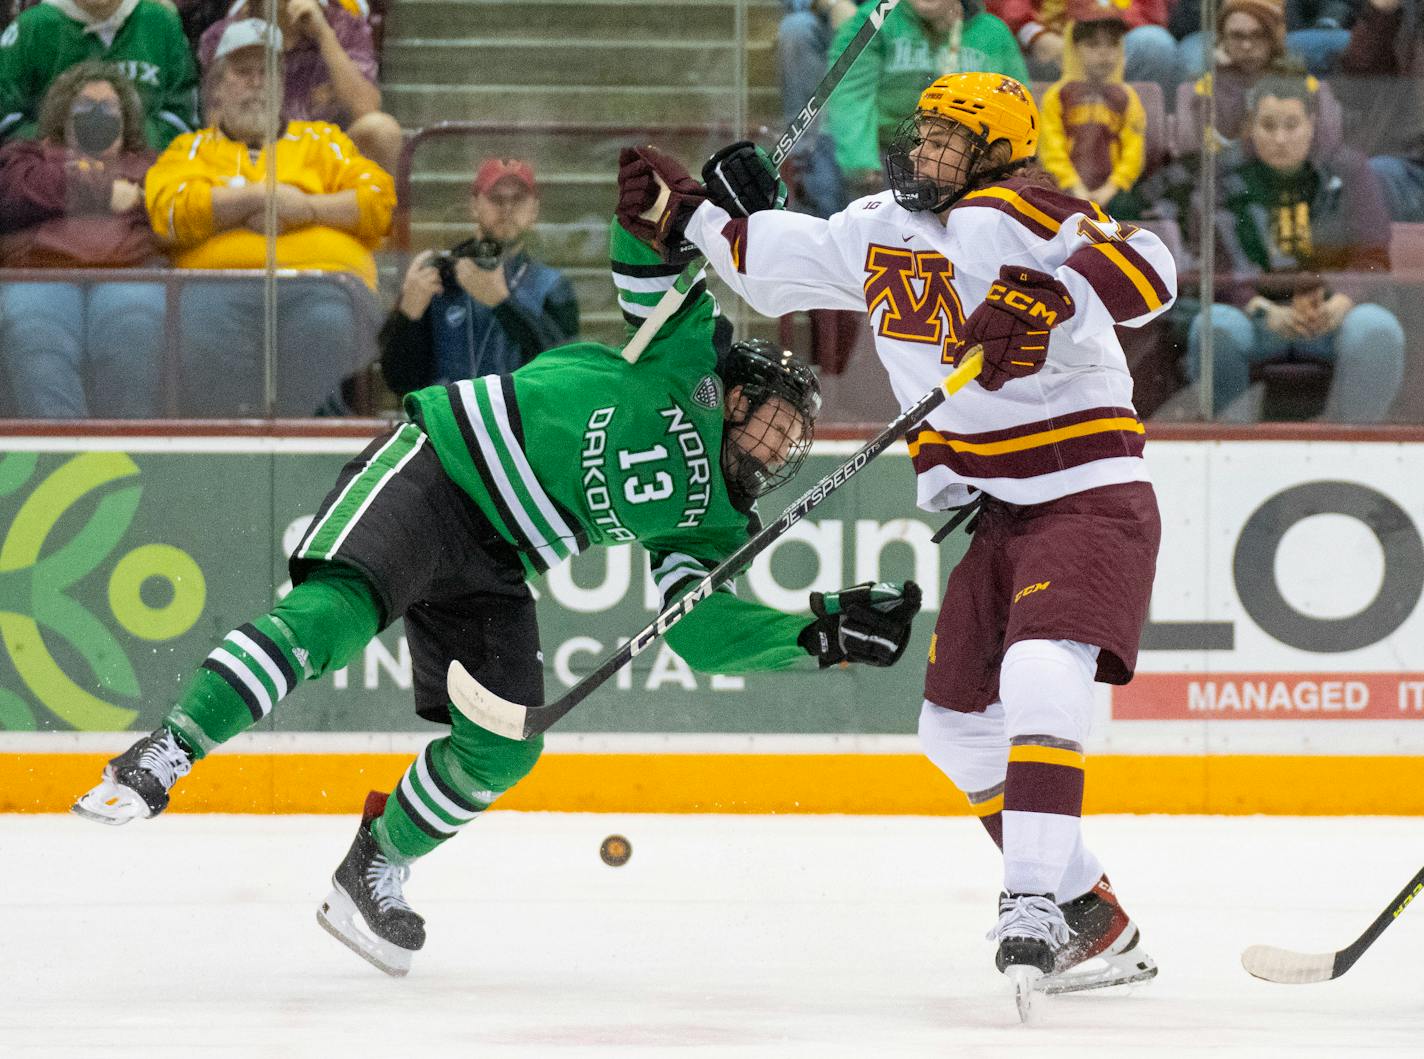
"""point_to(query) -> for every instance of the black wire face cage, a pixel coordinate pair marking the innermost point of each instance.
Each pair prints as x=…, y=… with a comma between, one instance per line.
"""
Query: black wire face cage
x=943, y=183
x=782, y=399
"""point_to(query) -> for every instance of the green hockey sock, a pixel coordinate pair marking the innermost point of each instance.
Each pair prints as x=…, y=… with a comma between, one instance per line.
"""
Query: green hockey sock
x=453, y=780
x=319, y=625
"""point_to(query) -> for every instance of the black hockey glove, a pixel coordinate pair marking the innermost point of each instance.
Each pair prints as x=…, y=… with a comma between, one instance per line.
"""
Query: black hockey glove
x=742, y=179
x=867, y=623
x=640, y=170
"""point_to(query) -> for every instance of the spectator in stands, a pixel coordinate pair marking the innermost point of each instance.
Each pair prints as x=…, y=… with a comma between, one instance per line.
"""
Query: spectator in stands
x=1317, y=31
x=1041, y=27
x=484, y=307
x=331, y=70
x=143, y=37
x=74, y=199
x=1094, y=130
x=333, y=206
x=803, y=39
x=1253, y=35
x=1290, y=224
x=920, y=40
x=1384, y=99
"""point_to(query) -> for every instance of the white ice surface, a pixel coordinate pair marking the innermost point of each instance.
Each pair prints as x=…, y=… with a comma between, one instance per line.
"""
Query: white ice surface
x=746, y=937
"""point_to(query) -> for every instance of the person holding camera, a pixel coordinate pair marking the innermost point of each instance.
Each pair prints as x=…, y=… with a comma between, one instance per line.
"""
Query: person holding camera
x=483, y=307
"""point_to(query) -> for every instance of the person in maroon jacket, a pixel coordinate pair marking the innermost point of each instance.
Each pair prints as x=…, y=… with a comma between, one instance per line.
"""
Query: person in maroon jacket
x=1041, y=25
x=73, y=198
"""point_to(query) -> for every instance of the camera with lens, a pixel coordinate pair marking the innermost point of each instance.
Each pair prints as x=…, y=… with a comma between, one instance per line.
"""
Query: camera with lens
x=483, y=251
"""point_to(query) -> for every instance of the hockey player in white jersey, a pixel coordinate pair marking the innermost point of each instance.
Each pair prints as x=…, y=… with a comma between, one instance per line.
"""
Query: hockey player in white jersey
x=973, y=245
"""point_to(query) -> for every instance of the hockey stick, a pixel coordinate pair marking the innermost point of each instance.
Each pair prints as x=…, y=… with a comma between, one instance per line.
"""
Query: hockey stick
x=514, y=721
x=677, y=293
x=1296, y=968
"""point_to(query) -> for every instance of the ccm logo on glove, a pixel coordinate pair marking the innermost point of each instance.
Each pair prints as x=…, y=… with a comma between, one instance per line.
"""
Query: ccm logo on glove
x=1023, y=302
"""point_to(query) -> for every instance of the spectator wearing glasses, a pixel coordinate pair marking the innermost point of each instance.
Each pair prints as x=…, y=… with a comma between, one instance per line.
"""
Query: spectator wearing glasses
x=485, y=306
x=207, y=196
x=330, y=63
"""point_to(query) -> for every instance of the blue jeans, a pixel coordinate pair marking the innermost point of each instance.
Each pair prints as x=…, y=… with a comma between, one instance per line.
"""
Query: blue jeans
x=72, y=351
x=1367, y=352
x=1403, y=183
x=223, y=362
x=1150, y=54
x=802, y=41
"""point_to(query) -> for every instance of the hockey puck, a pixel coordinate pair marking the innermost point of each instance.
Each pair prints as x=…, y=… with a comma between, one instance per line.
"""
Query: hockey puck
x=615, y=851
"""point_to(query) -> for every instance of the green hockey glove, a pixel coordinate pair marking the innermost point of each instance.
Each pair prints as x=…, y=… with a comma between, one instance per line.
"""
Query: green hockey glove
x=867, y=623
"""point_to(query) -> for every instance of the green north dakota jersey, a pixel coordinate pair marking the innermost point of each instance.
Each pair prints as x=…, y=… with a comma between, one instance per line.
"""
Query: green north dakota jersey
x=579, y=447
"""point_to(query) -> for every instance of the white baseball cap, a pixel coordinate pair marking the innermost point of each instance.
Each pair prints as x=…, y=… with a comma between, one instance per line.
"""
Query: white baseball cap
x=247, y=33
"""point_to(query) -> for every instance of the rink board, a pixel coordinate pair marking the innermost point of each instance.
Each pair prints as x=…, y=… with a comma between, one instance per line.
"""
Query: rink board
x=1283, y=669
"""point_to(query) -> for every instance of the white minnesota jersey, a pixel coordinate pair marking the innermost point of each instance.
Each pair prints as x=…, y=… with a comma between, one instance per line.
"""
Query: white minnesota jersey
x=1067, y=428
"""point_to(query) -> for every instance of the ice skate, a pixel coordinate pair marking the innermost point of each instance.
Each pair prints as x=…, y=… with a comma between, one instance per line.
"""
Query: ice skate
x=1030, y=932
x=136, y=783
x=1105, y=948
x=366, y=910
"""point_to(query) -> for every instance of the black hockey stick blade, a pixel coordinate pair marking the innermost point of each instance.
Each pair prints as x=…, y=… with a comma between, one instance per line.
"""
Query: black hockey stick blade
x=672, y=299
x=1297, y=968
x=514, y=721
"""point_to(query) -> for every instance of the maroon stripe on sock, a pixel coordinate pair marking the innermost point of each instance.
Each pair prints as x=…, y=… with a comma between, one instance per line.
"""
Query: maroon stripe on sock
x=994, y=824
x=1038, y=787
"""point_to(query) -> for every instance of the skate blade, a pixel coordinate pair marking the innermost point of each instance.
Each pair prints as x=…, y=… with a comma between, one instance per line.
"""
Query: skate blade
x=1125, y=973
x=1027, y=995
x=1104, y=970
x=340, y=918
x=110, y=803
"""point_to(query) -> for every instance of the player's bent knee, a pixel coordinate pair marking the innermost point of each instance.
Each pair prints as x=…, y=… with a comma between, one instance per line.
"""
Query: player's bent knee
x=493, y=762
x=1047, y=688
x=970, y=748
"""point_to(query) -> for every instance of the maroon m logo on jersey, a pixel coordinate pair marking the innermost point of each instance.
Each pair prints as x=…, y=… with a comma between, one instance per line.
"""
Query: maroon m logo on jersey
x=917, y=291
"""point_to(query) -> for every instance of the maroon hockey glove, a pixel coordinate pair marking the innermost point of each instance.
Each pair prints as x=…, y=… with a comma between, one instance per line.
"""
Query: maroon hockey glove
x=638, y=192
x=1013, y=321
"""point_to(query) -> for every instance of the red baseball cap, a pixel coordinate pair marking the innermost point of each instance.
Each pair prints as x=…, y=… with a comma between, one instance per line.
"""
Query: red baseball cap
x=493, y=170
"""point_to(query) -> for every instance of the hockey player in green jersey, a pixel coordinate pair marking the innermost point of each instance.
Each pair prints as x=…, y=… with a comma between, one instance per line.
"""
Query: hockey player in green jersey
x=444, y=520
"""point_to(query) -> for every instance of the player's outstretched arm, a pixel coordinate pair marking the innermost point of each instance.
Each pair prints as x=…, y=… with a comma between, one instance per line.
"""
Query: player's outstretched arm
x=776, y=261
x=867, y=623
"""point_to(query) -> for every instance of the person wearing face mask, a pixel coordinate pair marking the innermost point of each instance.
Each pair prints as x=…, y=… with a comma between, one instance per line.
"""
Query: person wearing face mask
x=143, y=38
x=1289, y=222
x=74, y=199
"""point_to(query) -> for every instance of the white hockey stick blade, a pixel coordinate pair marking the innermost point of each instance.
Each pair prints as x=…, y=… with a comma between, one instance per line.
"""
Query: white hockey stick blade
x=1289, y=968
x=483, y=706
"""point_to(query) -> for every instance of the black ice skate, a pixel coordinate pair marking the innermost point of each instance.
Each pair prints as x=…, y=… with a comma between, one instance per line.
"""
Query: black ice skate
x=137, y=782
x=1105, y=948
x=1030, y=932
x=366, y=910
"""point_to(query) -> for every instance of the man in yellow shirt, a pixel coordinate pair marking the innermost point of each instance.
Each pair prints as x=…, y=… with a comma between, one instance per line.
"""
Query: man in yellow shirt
x=206, y=196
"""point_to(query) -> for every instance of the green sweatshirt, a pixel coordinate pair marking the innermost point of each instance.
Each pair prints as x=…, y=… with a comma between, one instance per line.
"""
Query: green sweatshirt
x=883, y=85
x=579, y=447
x=143, y=37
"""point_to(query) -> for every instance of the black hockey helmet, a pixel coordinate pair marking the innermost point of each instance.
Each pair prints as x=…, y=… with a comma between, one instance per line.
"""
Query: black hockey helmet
x=763, y=448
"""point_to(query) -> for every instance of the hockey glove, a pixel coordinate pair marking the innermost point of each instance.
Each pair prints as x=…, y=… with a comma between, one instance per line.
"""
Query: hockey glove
x=1013, y=321
x=742, y=180
x=644, y=212
x=867, y=623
